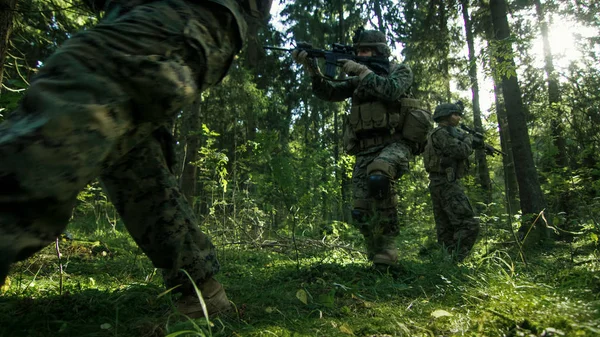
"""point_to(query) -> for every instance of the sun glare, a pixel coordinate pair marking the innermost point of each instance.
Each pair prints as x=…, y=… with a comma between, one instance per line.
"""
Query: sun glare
x=563, y=36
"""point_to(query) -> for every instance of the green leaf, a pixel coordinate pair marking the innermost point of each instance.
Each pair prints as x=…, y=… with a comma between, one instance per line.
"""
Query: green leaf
x=346, y=329
x=302, y=296
x=440, y=313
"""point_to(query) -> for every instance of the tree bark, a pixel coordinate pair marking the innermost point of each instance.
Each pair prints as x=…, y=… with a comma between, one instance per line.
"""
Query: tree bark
x=553, y=91
x=254, y=51
x=530, y=192
x=7, y=11
x=483, y=171
x=445, y=65
x=511, y=187
x=379, y=16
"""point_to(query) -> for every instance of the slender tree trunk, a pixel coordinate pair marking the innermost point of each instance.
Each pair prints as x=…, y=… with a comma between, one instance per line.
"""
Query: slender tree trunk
x=254, y=50
x=530, y=192
x=379, y=16
x=511, y=187
x=483, y=171
x=553, y=90
x=443, y=24
x=191, y=144
x=7, y=10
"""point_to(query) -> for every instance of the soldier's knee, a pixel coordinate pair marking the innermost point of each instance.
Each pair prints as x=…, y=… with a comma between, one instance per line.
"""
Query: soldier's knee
x=379, y=179
x=379, y=186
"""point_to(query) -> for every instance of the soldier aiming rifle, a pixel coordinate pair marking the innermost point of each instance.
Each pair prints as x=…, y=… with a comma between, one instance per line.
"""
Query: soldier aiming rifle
x=333, y=58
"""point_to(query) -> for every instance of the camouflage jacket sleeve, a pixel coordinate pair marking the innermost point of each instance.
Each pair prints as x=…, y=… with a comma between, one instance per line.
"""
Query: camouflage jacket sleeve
x=449, y=145
x=387, y=88
x=333, y=91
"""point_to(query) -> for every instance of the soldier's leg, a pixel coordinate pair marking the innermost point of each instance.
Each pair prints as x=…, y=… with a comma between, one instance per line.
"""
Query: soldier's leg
x=122, y=77
x=148, y=199
x=362, y=212
x=443, y=226
x=50, y=148
x=382, y=173
x=462, y=217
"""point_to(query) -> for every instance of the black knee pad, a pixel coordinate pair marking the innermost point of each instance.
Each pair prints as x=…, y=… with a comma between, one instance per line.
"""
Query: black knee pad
x=379, y=186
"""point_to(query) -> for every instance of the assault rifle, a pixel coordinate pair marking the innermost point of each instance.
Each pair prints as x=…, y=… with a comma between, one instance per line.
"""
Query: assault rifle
x=378, y=64
x=478, y=139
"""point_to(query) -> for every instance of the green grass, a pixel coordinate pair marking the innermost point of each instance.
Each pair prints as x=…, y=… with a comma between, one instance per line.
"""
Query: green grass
x=111, y=289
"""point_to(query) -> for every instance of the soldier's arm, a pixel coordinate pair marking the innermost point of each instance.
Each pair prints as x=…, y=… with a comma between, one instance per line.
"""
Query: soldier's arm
x=333, y=91
x=388, y=88
x=451, y=147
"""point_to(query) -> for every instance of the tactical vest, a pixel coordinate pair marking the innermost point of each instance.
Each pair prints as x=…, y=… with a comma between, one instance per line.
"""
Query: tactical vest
x=376, y=123
x=434, y=163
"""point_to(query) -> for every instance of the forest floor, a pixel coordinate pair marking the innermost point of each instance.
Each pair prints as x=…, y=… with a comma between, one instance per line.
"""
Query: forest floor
x=305, y=287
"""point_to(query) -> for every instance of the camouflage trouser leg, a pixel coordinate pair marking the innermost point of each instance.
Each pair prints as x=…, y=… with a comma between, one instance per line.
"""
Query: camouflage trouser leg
x=101, y=94
x=377, y=217
x=456, y=225
x=161, y=221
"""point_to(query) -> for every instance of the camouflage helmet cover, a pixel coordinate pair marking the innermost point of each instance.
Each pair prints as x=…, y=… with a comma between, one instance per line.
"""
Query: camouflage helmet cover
x=372, y=39
x=447, y=109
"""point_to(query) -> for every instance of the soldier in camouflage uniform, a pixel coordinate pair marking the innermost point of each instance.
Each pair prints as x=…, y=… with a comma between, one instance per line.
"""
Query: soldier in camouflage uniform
x=446, y=160
x=373, y=134
x=98, y=108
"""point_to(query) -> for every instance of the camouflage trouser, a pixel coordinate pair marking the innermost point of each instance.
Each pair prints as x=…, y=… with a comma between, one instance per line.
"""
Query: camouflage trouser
x=375, y=217
x=456, y=225
x=91, y=111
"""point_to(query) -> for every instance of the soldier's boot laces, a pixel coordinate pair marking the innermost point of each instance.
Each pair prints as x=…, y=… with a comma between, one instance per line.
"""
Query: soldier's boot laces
x=214, y=297
x=387, y=257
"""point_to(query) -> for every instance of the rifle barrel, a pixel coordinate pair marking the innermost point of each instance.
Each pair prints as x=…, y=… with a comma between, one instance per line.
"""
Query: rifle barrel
x=277, y=48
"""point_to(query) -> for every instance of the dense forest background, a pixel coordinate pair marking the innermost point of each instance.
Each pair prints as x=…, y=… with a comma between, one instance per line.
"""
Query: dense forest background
x=261, y=159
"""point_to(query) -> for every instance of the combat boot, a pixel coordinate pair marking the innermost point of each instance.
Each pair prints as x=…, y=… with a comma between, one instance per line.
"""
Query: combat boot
x=214, y=297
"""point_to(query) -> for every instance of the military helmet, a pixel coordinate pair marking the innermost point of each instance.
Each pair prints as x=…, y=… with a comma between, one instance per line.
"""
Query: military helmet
x=372, y=39
x=447, y=109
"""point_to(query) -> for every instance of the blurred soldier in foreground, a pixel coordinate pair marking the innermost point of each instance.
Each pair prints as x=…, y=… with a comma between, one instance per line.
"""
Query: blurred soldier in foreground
x=97, y=108
x=384, y=129
x=446, y=159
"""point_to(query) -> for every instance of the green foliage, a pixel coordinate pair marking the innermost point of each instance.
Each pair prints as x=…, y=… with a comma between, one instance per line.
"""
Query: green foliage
x=274, y=194
x=309, y=287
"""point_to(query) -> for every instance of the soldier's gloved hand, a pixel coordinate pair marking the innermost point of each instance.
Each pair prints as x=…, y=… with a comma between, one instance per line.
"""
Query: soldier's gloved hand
x=478, y=142
x=301, y=57
x=467, y=138
x=354, y=68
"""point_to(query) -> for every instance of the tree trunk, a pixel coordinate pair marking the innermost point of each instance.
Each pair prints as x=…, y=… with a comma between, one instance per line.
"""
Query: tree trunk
x=530, y=192
x=191, y=144
x=511, y=187
x=254, y=51
x=445, y=65
x=553, y=91
x=379, y=16
x=483, y=171
x=7, y=10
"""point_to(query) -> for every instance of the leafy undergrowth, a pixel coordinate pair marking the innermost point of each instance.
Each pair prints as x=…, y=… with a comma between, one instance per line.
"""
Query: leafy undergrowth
x=309, y=288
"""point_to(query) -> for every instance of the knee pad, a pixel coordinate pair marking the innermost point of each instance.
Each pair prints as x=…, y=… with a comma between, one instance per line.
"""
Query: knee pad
x=379, y=186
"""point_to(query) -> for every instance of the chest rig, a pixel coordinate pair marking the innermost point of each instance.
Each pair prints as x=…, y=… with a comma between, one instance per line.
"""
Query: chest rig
x=377, y=123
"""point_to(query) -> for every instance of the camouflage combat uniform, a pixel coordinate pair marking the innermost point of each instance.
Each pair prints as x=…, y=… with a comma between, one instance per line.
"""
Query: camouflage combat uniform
x=97, y=108
x=385, y=153
x=446, y=159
